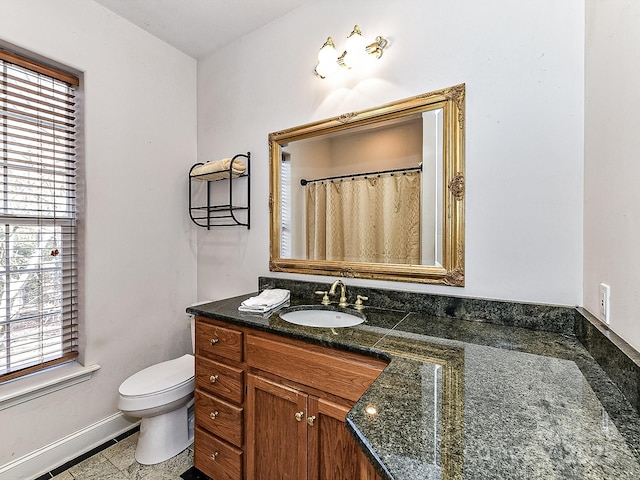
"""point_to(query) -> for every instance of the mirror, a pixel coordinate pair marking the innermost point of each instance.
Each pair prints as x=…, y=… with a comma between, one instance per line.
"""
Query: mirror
x=373, y=194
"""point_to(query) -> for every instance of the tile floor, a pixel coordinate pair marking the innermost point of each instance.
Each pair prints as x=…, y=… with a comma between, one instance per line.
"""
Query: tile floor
x=117, y=462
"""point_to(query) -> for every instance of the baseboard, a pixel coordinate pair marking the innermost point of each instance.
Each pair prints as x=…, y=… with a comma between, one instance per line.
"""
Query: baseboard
x=49, y=457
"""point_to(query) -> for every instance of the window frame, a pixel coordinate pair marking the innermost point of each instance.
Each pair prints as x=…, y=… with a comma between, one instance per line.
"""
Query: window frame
x=67, y=288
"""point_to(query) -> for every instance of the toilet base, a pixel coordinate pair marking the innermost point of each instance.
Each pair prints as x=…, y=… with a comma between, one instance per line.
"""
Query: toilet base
x=164, y=436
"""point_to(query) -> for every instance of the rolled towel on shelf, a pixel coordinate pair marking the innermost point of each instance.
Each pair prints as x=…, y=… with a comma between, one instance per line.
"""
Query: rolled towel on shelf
x=218, y=169
x=266, y=301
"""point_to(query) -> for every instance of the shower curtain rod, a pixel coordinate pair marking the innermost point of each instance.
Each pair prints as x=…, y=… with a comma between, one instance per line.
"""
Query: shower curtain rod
x=303, y=182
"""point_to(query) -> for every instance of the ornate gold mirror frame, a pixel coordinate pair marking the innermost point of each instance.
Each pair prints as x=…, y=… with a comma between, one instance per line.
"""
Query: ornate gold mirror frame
x=450, y=271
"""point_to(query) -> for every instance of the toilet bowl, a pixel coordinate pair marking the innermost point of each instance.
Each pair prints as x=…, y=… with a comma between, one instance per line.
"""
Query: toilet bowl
x=162, y=396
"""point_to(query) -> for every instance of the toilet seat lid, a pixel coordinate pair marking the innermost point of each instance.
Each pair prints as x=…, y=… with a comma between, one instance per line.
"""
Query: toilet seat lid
x=159, y=378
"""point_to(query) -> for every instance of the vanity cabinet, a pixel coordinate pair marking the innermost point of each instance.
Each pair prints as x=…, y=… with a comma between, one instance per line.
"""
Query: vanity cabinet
x=295, y=431
x=289, y=421
x=219, y=401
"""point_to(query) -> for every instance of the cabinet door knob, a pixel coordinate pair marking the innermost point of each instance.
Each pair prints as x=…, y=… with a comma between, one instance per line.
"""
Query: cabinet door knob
x=214, y=456
x=213, y=415
x=213, y=378
x=299, y=416
x=311, y=420
x=214, y=341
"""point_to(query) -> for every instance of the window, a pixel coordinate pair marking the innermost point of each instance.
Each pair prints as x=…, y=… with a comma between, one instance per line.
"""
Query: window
x=38, y=285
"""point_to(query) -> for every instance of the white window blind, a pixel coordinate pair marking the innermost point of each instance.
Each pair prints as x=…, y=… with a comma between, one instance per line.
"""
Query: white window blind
x=38, y=285
x=285, y=206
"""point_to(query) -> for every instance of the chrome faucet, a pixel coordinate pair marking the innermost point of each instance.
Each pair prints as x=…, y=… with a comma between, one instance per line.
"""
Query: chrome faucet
x=343, y=292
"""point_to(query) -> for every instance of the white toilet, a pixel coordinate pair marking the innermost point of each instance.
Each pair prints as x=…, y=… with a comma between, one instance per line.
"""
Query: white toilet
x=162, y=395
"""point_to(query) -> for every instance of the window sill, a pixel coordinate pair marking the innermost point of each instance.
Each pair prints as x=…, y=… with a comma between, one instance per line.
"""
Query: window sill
x=42, y=383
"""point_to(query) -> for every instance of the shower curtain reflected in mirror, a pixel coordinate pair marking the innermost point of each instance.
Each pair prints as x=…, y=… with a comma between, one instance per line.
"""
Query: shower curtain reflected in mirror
x=371, y=219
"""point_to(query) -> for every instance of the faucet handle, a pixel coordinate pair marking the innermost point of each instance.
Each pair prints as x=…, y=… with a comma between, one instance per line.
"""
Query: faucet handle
x=359, y=305
x=325, y=298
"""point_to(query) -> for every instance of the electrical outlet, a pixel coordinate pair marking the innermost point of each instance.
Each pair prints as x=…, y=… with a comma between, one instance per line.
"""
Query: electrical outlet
x=605, y=296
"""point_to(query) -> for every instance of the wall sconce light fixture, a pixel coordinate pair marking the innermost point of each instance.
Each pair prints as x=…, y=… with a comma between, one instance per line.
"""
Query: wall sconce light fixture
x=356, y=53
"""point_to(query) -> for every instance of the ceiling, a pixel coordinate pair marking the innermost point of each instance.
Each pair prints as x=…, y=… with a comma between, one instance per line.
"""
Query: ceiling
x=198, y=27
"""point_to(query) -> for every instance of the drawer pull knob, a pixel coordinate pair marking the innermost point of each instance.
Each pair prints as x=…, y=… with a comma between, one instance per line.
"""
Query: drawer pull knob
x=299, y=416
x=311, y=420
x=214, y=455
x=214, y=341
x=213, y=415
x=213, y=378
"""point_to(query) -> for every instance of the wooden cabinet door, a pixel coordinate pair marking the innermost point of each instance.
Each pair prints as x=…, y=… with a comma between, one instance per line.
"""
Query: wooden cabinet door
x=333, y=452
x=276, y=431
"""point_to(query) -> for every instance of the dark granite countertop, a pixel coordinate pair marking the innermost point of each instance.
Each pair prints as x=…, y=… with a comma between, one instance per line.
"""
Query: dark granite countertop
x=470, y=400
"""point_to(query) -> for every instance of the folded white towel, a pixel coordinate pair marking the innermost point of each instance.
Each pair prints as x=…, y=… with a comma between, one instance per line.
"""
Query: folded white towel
x=218, y=169
x=267, y=300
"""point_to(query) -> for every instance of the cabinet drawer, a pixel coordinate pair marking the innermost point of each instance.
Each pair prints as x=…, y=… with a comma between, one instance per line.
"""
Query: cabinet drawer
x=221, y=380
x=218, y=417
x=216, y=458
x=223, y=342
x=340, y=373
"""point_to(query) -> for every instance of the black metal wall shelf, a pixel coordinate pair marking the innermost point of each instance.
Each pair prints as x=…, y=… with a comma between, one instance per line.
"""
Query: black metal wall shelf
x=225, y=214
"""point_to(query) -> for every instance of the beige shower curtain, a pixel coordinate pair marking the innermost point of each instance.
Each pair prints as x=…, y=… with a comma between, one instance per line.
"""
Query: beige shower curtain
x=365, y=219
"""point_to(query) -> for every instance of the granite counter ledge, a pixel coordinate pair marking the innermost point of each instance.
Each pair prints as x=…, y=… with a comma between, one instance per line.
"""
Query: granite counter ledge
x=357, y=340
x=474, y=401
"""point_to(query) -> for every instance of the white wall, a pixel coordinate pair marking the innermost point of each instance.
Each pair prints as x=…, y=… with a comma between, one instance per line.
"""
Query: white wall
x=523, y=66
x=139, y=251
x=612, y=170
x=317, y=164
x=396, y=146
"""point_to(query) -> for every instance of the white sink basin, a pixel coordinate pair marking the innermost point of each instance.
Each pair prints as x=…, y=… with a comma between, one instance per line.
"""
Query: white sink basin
x=325, y=318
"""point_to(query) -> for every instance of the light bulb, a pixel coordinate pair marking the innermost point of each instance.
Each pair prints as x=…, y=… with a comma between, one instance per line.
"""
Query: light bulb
x=327, y=59
x=356, y=49
x=326, y=69
x=328, y=51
